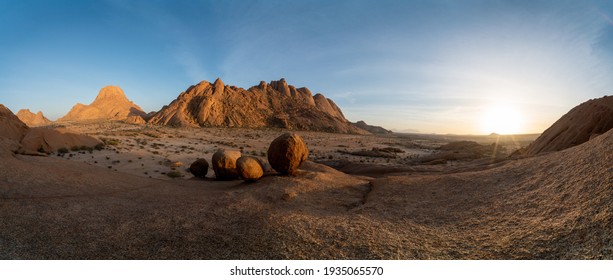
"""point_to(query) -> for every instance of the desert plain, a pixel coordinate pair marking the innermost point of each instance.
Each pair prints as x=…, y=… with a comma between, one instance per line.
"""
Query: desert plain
x=120, y=203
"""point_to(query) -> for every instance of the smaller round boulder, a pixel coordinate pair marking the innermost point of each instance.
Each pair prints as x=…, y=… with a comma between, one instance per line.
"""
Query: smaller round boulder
x=199, y=168
x=287, y=152
x=224, y=164
x=249, y=168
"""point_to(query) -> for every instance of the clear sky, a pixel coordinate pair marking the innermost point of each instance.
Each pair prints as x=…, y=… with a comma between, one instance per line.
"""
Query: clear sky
x=427, y=66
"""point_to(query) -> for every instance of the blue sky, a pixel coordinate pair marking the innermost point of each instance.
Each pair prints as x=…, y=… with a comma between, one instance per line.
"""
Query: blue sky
x=427, y=66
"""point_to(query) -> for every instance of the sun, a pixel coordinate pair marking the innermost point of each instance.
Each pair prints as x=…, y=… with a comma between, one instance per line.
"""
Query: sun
x=501, y=119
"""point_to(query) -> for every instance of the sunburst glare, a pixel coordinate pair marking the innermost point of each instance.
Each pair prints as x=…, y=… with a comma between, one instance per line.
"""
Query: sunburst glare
x=501, y=119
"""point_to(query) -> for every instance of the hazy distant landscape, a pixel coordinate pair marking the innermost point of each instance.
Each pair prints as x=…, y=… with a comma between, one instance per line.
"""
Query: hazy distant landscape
x=491, y=138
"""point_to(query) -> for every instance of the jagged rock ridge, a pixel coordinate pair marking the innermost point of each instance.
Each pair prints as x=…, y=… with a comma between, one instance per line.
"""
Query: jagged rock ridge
x=580, y=124
x=110, y=104
x=31, y=119
x=276, y=104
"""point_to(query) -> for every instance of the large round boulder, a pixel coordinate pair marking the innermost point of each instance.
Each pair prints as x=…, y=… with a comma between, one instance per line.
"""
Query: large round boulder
x=249, y=168
x=199, y=168
x=224, y=164
x=287, y=152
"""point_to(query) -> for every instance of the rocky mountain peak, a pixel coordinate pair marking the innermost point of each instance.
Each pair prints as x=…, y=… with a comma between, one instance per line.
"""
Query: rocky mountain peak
x=111, y=103
x=31, y=119
x=111, y=93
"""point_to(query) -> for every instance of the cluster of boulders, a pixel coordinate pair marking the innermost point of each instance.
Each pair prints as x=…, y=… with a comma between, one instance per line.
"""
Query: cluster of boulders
x=285, y=154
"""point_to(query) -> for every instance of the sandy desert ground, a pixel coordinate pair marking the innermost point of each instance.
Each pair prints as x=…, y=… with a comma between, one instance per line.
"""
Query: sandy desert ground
x=410, y=201
x=154, y=151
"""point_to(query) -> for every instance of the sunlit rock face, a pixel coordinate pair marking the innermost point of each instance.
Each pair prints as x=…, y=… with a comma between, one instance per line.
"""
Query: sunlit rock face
x=579, y=125
x=274, y=104
x=110, y=104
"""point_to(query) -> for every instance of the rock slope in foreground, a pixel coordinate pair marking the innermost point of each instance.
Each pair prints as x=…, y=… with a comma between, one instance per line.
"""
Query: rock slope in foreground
x=579, y=125
x=267, y=105
x=110, y=104
x=31, y=119
x=17, y=137
x=12, y=131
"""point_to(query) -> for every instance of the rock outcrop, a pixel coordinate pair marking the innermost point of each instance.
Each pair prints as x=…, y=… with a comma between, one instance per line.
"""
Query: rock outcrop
x=287, y=152
x=135, y=120
x=267, y=105
x=372, y=128
x=11, y=127
x=46, y=140
x=12, y=131
x=17, y=137
x=579, y=125
x=31, y=119
x=110, y=104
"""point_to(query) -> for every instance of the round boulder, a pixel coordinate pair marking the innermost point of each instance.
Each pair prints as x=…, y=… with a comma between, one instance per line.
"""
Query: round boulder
x=287, y=152
x=224, y=164
x=249, y=168
x=199, y=168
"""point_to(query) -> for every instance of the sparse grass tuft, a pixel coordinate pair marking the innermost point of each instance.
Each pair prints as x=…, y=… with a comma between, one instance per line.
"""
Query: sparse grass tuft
x=174, y=174
x=111, y=141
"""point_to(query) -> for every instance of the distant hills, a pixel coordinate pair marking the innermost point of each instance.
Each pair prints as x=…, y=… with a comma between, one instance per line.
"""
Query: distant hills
x=31, y=119
x=267, y=105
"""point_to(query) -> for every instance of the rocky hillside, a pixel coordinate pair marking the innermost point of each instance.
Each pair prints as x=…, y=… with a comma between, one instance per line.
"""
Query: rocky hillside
x=17, y=137
x=579, y=125
x=274, y=104
x=31, y=119
x=111, y=104
x=372, y=128
x=12, y=131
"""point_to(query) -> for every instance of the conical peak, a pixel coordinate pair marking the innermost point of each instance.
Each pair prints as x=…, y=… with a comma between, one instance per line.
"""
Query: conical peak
x=110, y=92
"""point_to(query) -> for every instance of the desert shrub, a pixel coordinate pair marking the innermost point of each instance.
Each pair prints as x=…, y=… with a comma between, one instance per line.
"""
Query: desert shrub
x=99, y=147
x=174, y=174
x=152, y=135
x=75, y=148
x=369, y=153
x=111, y=141
x=62, y=150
